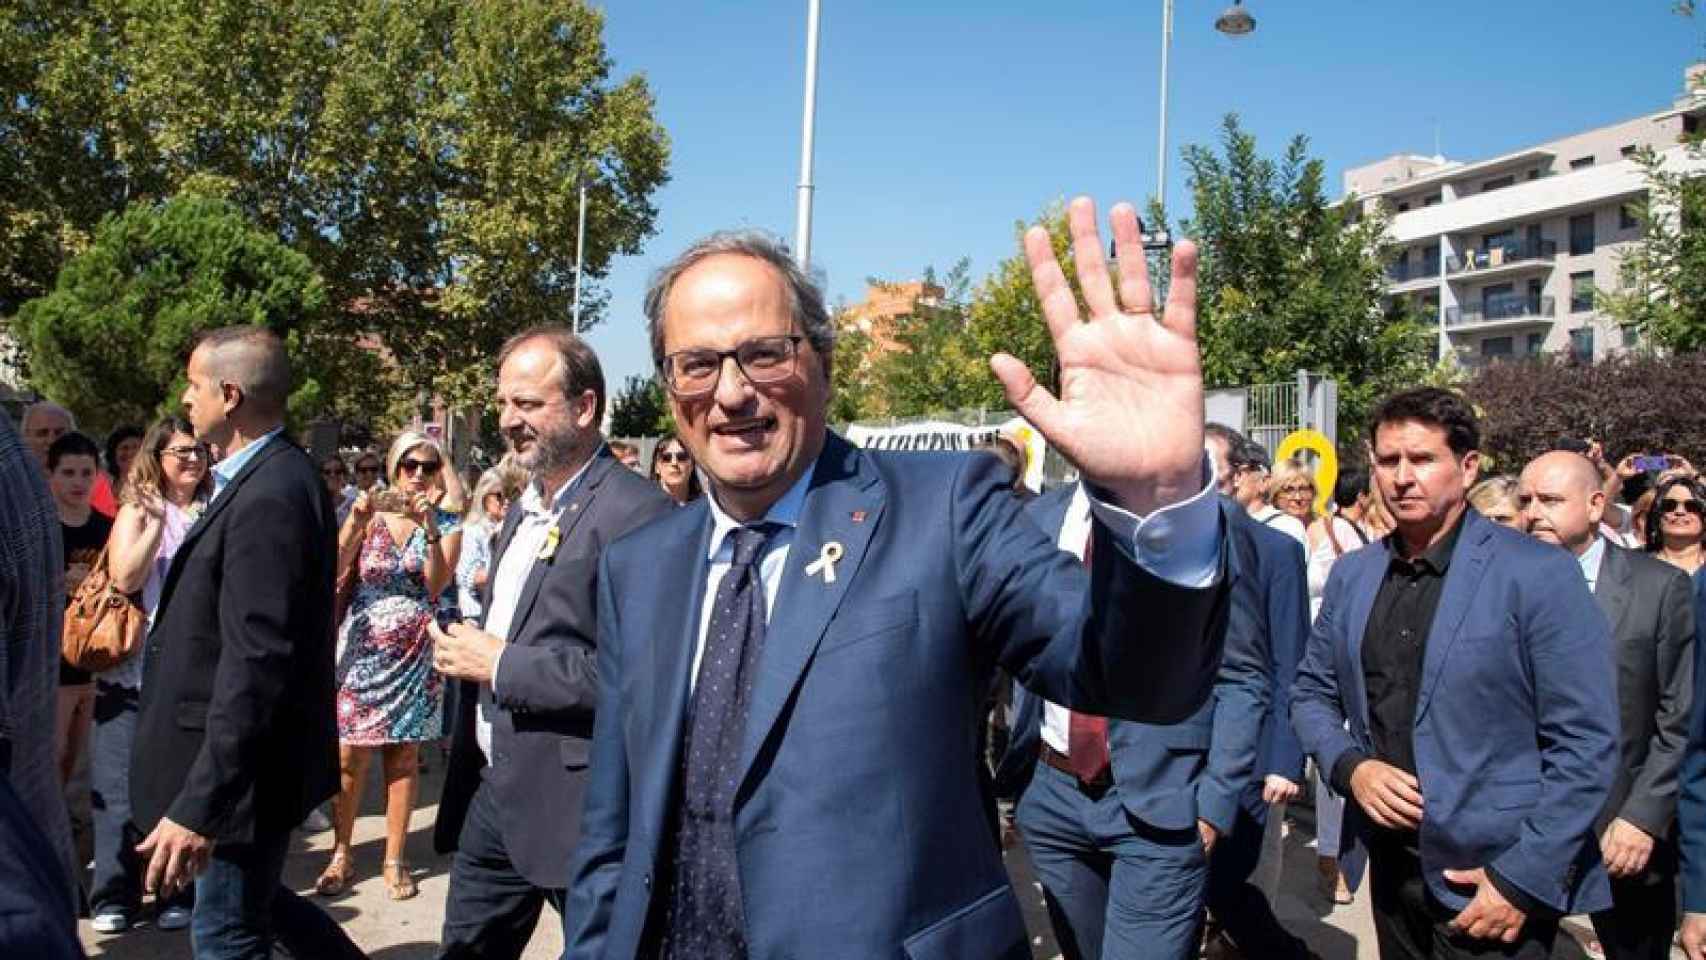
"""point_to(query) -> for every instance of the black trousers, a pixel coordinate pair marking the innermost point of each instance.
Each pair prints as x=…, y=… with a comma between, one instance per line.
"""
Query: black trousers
x=1410, y=923
x=1240, y=907
x=492, y=909
x=1642, y=918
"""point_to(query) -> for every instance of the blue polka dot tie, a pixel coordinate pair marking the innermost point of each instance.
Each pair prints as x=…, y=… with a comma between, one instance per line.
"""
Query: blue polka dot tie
x=705, y=918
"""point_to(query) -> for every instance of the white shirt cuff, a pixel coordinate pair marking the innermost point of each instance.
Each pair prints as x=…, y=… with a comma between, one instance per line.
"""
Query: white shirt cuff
x=497, y=661
x=1179, y=543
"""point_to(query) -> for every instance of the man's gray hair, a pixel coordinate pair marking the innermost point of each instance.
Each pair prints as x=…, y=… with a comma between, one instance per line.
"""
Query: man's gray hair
x=805, y=300
x=254, y=359
x=44, y=408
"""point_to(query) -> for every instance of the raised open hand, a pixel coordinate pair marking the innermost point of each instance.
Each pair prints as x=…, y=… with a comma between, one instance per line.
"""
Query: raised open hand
x=1130, y=410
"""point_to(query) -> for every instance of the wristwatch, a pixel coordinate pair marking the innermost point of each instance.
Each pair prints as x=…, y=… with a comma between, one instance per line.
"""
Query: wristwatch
x=434, y=537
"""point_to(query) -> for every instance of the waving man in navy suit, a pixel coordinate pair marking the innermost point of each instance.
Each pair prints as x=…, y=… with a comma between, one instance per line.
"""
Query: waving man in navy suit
x=784, y=761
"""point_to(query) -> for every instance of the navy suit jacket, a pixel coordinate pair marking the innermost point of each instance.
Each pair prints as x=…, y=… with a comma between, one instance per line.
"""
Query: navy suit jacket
x=1691, y=805
x=859, y=824
x=1516, y=723
x=1170, y=776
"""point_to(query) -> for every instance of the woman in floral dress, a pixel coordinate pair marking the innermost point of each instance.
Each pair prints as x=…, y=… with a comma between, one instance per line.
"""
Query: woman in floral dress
x=389, y=696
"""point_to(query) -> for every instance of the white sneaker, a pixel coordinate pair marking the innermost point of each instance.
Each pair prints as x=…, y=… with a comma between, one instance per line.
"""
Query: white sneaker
x=173, y=918
x=316, y=822
x=110, y=920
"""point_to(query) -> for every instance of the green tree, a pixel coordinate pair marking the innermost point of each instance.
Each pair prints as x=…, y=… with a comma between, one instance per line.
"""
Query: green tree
x=1662, y=280
x=640, y=409
x=1289, y=280
x=422, y=153
x=111, y=339
x=853, y=384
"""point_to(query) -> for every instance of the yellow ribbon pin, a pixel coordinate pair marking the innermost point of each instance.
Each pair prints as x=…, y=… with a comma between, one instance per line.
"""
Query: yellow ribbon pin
x=549, y=548
x=826, y=561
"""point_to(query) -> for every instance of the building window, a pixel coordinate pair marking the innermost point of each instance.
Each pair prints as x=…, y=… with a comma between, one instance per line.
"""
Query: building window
x=1627, y=219
x=1628, y=150
x=1403, y=208
x=1497, y=347
x=1581, y=163
x=1430, y=260
x=1534, y=174
x=1430, y=200
x=1498, y=183
x=1535, y=340
x=1581, y=292
x=1581, y=344
x=1691, y=125
x=1631, y=337
x=1581, y=235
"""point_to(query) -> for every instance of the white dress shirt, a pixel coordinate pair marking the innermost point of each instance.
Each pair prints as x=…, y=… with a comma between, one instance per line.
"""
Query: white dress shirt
x=1178, y=543
x=1590, y=561
x=538, y=517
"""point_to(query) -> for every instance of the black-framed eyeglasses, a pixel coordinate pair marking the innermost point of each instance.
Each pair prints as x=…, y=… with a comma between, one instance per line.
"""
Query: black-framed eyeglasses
x=191, y=452
x=1671, y=505
x=694, y=373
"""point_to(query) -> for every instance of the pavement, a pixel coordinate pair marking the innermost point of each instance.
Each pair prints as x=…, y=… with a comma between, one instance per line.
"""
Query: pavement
x=409, y=930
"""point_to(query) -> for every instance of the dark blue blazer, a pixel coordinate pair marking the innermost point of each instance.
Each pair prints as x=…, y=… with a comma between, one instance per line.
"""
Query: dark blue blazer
x=1516, y=724
x=1691, y=805
x=859, y=823
x=1170, y=776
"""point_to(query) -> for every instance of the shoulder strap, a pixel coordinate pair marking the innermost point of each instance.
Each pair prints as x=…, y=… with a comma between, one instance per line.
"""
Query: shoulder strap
x=1333, y=535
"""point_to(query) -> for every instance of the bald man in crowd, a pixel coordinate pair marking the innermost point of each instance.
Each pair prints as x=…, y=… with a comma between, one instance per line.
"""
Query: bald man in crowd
x=1649, y=607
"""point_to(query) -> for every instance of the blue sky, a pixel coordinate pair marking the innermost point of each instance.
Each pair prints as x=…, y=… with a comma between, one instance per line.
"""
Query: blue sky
x=941, y=122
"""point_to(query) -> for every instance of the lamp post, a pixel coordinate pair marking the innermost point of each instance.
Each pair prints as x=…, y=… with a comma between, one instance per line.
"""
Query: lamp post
x=803, y=215
x=1234, y=22
x=580, y=253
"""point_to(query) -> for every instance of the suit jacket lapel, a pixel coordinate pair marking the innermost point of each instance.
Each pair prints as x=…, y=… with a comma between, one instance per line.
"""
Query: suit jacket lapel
x=843, y=486
x=1611, y=591
x=1468, y=564
x=573, y=511
x=213, y=510
x=1361, y=608
x=671, y=633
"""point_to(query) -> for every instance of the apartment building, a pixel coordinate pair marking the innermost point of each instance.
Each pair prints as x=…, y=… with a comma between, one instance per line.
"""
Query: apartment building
x=1506, y=253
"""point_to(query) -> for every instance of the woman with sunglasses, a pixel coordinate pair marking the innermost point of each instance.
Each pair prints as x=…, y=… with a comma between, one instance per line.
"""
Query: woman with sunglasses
x=1676, y=524
x=672, y=469
x=403, y=545
x=162, y=494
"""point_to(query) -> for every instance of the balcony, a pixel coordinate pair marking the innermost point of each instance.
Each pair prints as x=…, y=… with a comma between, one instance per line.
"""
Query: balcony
x=1503, y=257
x=1514, y=310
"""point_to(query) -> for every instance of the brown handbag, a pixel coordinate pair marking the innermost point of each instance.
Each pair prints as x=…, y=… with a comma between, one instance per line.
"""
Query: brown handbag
x=103, y=626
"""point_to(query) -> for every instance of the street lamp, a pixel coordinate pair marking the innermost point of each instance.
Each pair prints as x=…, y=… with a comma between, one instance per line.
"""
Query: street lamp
x=808, y=127
x=580, y=251
x=1235, y=22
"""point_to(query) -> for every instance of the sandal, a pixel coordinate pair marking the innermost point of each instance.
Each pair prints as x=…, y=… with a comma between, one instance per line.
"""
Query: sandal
x=399, y=885
x=336, y=878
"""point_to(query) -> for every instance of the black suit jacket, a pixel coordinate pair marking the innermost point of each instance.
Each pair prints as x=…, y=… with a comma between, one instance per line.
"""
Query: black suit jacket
x=1650, y=606
x=547, y=683
x=237, y=737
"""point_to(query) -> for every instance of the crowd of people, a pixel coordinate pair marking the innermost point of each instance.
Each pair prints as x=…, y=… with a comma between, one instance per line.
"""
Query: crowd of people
x=762, y=695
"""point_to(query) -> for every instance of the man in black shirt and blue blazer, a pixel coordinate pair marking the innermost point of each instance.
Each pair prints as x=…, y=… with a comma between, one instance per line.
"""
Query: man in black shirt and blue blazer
x=1475, y=671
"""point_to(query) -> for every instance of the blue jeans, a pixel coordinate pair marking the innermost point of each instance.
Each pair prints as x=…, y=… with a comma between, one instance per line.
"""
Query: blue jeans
x=1116, y=887
x=240, y=903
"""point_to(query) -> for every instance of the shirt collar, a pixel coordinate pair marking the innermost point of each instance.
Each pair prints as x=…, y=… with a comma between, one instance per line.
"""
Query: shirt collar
x=226, y=470
x=1591, y=559
x=1437, y=557
x=785, y=511
x=534, y=503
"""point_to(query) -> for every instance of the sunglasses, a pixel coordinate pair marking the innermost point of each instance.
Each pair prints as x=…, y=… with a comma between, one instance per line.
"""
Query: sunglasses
x=425, y=468
x=670, y=456
x=1668, y=505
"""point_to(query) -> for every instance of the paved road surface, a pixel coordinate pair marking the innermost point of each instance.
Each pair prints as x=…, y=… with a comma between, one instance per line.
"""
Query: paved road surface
x=409, y=930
